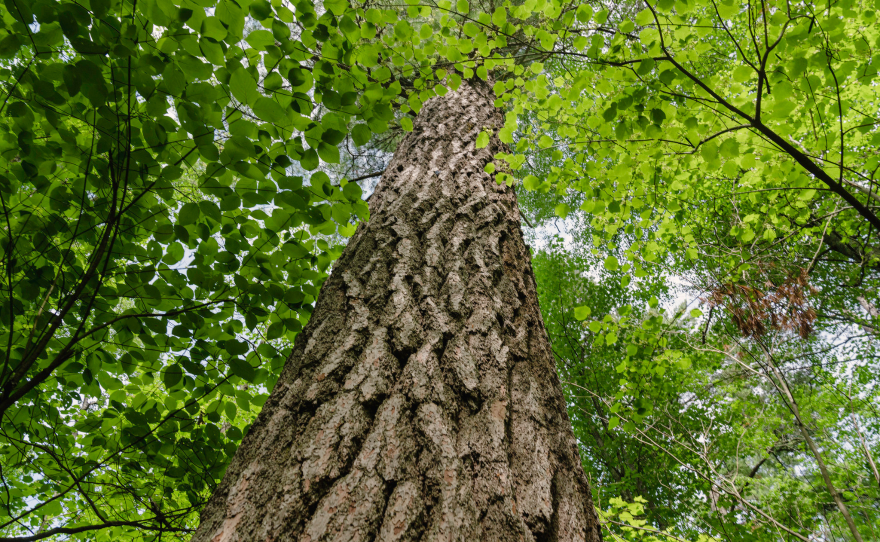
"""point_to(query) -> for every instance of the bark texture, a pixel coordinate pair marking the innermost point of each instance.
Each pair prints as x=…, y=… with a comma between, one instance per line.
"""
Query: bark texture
x=421, y=402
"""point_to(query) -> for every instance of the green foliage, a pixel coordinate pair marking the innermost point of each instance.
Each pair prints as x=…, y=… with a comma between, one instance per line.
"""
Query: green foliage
x=622, y=519
x=678, y=414
x=160, y=245
x=698, y=148
x=590, y=367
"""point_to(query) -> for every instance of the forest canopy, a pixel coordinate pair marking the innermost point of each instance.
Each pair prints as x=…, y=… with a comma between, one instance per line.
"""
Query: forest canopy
x=698, y=180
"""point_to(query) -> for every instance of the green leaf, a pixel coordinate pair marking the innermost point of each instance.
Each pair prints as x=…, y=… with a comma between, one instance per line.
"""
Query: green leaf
x=742, y=74
x=499, y=17
x=275, y=331
x=269, y=110
x=336, y=7
x=210, y=210
x=188, y=214
x=300, y=79
x=728, y=8
x=260, y=39
x=645, y=17
x=709, y=151
x=645, y=66
x=280, y=31
x=260, y=10
x=243, y=87
x=309, y=160
x=482, y=140
x=332, y=136
x=353, y=192
x=531, y=182
x=361, y=134
x=212, y=28
x=173, y=254
x=783, y=108
x=581, y=313
x=9, y=46
x=172, y=376
x=658, y=116
x=403, y=30
x=584, y=13
x=273, y=82
x=328, y=153
x=242, y=369
x=72, y=80
x=611, y=263
x=562, y=210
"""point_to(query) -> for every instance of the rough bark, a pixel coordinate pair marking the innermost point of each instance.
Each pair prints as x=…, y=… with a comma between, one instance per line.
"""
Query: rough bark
x=421, y=402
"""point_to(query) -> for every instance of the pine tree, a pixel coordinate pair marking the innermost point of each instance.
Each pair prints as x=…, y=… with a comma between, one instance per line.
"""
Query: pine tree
x=421, y=402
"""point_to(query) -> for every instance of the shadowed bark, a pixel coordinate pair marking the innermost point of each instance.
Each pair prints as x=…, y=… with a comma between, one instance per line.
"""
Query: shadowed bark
x=421, y=402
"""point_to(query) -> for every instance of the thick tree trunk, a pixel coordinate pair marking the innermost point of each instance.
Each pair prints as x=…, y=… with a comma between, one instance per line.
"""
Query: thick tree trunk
x=421, y=402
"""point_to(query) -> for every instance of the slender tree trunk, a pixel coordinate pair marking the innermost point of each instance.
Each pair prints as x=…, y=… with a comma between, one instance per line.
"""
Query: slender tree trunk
x=865, y=447
x=421, y=402
x=782, y=384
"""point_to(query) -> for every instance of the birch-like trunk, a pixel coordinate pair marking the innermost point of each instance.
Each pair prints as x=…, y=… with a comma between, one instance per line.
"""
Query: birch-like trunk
x=421, y=402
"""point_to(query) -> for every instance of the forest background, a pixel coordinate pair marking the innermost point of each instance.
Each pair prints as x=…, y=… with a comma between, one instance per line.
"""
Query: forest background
x=697, y=178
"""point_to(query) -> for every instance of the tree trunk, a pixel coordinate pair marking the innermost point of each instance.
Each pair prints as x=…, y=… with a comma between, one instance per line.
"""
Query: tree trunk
x=421, y=402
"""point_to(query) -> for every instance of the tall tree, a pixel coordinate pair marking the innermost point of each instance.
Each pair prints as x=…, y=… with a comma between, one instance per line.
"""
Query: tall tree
x=421, y=401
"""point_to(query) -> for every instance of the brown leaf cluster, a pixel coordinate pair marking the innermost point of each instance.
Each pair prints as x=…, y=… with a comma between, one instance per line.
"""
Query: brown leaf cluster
x=755, y=310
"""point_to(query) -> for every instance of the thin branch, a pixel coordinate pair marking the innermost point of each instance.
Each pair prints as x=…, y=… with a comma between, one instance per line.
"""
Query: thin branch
x=86, y=528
